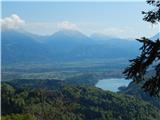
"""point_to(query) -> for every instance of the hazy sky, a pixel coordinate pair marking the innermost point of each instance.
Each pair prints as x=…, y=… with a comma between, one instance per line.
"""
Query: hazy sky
x=123, y=19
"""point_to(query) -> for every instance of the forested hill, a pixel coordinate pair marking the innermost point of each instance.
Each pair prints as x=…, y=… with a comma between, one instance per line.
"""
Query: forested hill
x=136, y=91
x=72, y=103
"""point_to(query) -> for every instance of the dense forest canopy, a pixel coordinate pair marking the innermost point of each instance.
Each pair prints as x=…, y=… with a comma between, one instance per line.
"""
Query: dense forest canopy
x=72, y=103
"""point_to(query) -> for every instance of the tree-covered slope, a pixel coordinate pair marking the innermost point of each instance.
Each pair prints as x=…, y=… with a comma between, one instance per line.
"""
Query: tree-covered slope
x=136, y=91
x=72, y=103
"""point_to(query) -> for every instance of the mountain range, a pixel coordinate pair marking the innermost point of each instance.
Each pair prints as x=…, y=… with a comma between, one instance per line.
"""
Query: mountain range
x=64, y=45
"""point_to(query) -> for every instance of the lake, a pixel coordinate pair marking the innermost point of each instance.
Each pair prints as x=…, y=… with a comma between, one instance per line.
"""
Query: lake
x=112, y=84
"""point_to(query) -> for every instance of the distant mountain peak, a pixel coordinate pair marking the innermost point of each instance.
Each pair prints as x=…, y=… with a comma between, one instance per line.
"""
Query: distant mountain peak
x=69, y=32
x=66, y=34
x=62, y=45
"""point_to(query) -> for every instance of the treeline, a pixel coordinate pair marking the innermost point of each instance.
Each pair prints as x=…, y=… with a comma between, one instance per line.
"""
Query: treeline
x=71, y=103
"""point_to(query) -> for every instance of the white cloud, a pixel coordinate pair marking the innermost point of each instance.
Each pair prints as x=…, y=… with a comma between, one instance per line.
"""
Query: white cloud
x=12, y=22
x=40, y=28
x=114, y=30
x=67, y=25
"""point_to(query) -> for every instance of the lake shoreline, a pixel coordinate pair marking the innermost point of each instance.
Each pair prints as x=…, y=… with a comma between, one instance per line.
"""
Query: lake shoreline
x=114, y=84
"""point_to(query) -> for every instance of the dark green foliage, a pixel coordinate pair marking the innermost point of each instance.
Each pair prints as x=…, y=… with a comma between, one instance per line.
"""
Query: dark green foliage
x=18, y=117
x=74, y=103
x=38, y=83
x=154, y=15
x=136, y=91
x=149, y=56
x=150, y=53
x=84, y=79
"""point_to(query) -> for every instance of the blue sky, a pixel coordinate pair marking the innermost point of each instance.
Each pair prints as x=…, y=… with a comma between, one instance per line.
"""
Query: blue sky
x=122, y=19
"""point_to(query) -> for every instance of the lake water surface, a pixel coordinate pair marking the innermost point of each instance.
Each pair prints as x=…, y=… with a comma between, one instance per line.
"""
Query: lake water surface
x=112, y=84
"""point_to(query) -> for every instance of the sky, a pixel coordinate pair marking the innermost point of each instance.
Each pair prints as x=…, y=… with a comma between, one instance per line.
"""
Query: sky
x=119, y=18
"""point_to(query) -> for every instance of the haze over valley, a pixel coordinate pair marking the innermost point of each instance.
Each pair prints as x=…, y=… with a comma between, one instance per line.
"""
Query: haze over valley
x=66, y=61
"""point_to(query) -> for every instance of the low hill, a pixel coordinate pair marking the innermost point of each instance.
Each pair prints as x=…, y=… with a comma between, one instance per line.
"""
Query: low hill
x=136, y=91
